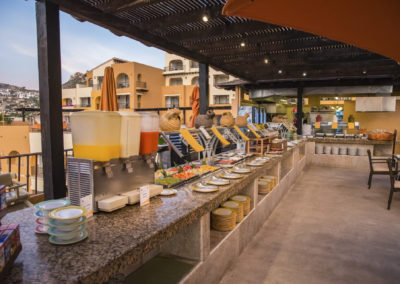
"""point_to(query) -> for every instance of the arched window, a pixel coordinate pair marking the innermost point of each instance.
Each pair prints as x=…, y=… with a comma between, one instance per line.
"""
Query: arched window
x=90, y=82
x=175, y=82
x=194, y=64
x=122, y=81
x=139, y=77
x=195, y=81
x=175, y=65
x=14, y=161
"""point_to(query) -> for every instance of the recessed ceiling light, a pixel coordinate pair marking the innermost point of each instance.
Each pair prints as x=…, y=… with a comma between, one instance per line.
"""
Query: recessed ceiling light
x=242, y=44
x=266, y=61
x=304, y=74
x=364, y=72
x=280, y=71
x=205, y=18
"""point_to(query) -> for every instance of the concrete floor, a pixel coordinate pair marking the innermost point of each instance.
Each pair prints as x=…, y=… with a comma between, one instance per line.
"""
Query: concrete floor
x=329, y=228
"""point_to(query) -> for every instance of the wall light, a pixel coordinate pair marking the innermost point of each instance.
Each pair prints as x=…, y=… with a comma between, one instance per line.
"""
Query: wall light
x=280, y=71
x=304, y=74
x=242, y=44
x=205, y=18
x=266, y=61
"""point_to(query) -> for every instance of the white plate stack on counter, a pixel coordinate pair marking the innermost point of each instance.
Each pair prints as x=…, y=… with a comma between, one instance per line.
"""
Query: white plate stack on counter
x=43, y=210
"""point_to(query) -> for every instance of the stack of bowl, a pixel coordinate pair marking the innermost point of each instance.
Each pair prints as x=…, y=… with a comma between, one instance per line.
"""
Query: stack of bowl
x=67, y=225
x=43, y=210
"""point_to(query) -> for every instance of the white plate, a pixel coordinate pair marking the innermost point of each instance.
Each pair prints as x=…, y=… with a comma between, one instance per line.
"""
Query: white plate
x=254, y=164
x=204, y=188
x=167, y=192
x=41, y=229
x=57, y=241
x=230, y=176
x=217, y=181
x=52, y=204
x=241, y=170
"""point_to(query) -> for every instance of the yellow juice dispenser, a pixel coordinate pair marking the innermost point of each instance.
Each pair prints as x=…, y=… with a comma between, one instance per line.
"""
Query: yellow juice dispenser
x=96, y=135
x=130, y=133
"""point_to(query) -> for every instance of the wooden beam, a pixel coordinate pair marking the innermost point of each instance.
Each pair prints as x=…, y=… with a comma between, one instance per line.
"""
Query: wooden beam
x=49, y=61
x=117, y=25
x=299, y=115
x=204, y=87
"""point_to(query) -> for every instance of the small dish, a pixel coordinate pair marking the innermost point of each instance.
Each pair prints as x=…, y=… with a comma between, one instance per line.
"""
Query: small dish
x=69, y=214
x=204, y=188
x=254, y=164
x=42, y=214
x=168, y=192
x=50, y=205
x=43, y=221
x=67, y=228
x=57, y=241
x=41, y=229
x=65, y=236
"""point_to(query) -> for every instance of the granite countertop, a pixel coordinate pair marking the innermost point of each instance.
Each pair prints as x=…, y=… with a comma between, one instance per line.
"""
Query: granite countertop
x=115, y=239
x=358, y=141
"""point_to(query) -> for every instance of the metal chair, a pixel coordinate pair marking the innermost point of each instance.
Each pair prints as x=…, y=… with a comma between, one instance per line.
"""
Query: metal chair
x=394, y=183
x=16, y=191
x=379, y=166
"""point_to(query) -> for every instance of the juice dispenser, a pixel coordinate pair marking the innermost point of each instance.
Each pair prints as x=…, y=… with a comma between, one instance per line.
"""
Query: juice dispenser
x=130, y=133
x=149, y=133
x=96, y=135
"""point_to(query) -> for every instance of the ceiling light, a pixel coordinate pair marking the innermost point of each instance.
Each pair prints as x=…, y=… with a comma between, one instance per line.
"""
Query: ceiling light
x=280, y=71
x=242, y=44
x=364, y=72
x=266, y=61
x=205, y=19
x=304, y=74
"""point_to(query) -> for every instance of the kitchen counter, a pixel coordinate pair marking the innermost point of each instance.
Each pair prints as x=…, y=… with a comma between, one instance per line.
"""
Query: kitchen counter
x=116, y=240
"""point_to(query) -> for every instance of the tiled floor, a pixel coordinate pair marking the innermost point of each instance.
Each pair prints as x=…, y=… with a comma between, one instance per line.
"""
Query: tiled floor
x=328, y=229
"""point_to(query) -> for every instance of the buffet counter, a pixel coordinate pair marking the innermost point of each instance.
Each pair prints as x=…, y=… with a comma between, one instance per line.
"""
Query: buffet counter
x=121, y=241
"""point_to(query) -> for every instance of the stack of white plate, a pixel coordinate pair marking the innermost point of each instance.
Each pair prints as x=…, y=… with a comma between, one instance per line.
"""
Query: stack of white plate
x=43, y=210
x=67, y=225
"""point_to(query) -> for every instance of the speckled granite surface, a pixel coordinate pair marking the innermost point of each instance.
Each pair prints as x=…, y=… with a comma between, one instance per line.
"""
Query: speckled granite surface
x=349, y=141
x=116, y=239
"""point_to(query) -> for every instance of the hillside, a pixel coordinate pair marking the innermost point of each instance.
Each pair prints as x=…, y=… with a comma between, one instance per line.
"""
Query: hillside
x=15, y=88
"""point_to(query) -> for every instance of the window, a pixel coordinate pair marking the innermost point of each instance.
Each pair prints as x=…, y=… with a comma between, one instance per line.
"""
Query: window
x=68, y=102
x=139, y=100
x=14, y=161
x=122, y=81
x=97, y=102
x=85, y=102
x=90, y=82
x=139, y=77
x=195, y=81
x=123, y=101
x=221, y=99
x=100, y=81
x=218, y=79
x=171, y=101
x=194, y=64
x=175, y=65
x=175, y=82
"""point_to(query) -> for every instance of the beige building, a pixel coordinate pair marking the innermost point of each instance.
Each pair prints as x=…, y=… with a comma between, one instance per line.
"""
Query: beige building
x=138, y=86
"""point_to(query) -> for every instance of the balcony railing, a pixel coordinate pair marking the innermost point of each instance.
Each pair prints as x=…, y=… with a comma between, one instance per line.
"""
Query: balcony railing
x=123, y=106
x=123, y=85
x=14, y=162
x=173, y=68
x=140, y=84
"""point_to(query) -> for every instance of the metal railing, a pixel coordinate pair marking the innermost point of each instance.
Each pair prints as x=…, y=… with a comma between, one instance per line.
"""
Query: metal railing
x=30, y=157
x=140, y=84
x=173, y=68
x=123, y=106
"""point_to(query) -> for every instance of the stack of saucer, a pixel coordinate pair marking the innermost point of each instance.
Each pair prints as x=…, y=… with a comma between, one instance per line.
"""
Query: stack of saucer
x=223, y=219
x=273, y=179
x=236, y=206
x=67, y=225
x=244, y=200
x=264, y=186
x=43, y=210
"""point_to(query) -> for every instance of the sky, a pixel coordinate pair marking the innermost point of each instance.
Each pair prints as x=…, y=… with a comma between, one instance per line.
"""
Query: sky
x=83, y=45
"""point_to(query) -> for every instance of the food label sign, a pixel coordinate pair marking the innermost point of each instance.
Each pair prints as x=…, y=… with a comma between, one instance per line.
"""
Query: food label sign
x=144, y=195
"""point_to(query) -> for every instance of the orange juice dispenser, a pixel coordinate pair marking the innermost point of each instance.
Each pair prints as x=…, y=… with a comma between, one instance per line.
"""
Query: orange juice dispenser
x=149, y=133
x=96, y=135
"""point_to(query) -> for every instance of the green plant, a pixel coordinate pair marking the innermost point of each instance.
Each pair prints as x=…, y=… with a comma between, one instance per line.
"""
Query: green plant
x=351, y=118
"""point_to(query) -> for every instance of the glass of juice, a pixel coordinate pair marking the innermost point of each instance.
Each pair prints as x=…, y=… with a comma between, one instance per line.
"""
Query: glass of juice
x=149, y=133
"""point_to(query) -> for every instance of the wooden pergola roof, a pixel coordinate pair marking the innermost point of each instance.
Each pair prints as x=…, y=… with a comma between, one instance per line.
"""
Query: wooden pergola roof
x=234, y=45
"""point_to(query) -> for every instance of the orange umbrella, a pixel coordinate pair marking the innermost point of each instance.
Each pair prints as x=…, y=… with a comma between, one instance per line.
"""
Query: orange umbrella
x=108, y=98
x=195, y=104
x=373, y=25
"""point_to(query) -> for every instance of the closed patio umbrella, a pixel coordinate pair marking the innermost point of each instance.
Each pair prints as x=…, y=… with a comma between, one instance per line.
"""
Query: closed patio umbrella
x=195, y=104
x=369, y=24
x=108, y=98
